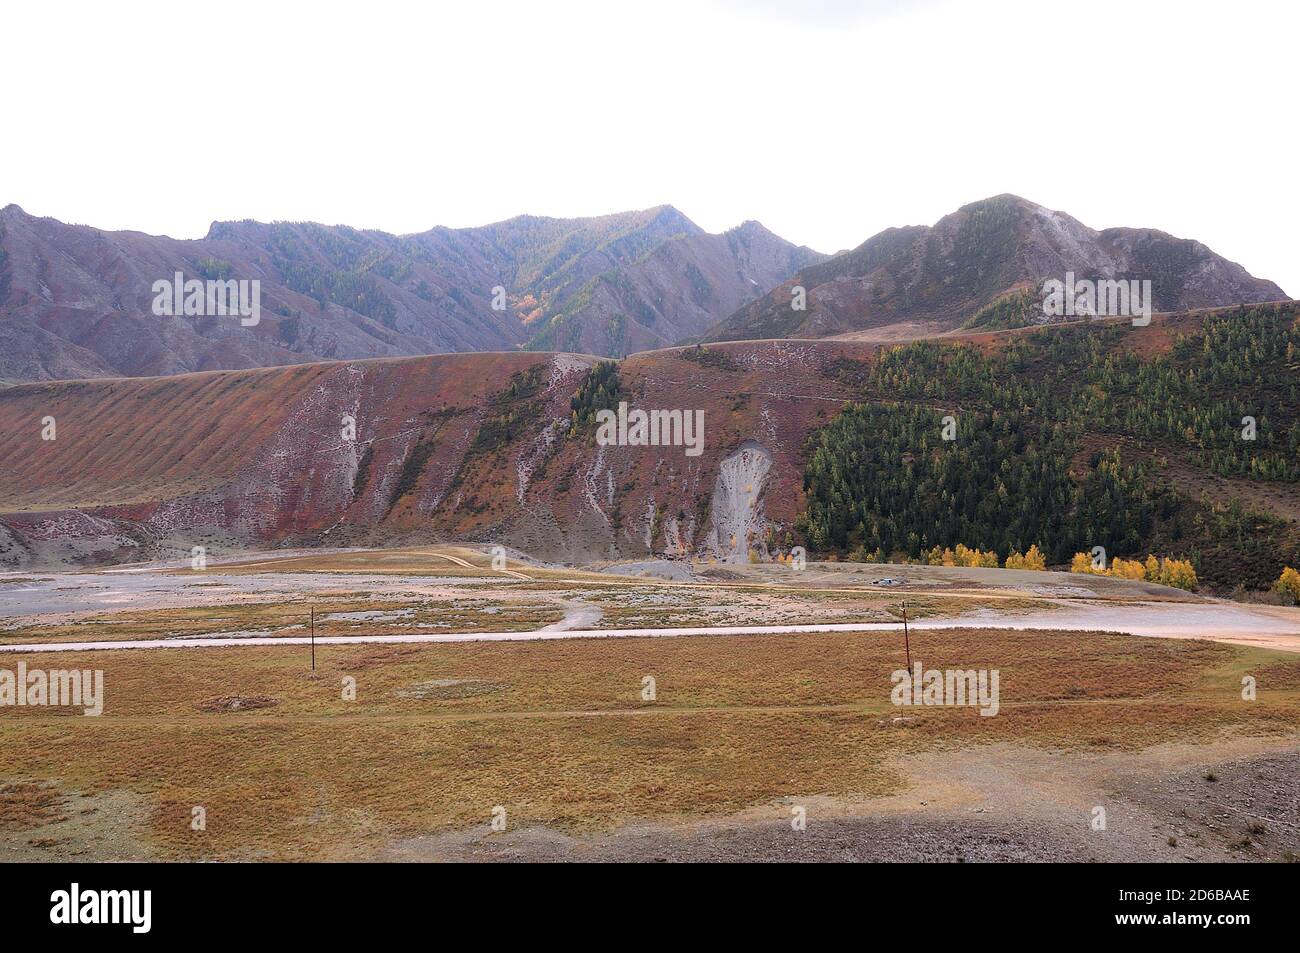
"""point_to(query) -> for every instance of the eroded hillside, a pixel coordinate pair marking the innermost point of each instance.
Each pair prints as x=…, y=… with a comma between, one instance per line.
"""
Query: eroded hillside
x=475, y=447
x=1099, y=431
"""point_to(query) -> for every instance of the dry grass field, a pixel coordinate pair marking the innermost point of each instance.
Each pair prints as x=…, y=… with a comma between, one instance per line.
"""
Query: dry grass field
x=286, y=764
x=557, y=733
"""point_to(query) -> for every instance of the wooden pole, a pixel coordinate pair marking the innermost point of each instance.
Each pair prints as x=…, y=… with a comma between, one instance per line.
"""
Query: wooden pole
x=313, y=638
x=906, y=641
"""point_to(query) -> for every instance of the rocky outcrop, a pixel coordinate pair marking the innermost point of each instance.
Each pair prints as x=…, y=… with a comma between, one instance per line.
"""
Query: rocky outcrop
x=737, y=509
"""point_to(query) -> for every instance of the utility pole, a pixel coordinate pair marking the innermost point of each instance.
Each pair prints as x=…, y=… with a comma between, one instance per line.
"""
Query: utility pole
x=906, y=641
x=313, y=638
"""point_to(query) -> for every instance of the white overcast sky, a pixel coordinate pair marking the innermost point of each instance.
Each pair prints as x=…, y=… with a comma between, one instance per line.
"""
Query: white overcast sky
x=827, y=121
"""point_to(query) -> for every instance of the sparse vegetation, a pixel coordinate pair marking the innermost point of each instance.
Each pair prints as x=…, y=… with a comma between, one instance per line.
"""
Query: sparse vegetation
x=363, y=471
x=347, y=284
x=214, y=269
x=600, y=390
x=510, y=410
x=708, y=357
x=701, y=290
x=412, y=468
x=4, y=269
x=1014, y=310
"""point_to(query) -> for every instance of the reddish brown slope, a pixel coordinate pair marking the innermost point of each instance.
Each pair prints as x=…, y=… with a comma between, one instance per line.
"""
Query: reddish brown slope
x=452, y=447
x=146, y=466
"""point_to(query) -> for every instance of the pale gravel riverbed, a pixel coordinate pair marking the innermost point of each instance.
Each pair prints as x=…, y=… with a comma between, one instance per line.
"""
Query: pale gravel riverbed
x=1266, y=627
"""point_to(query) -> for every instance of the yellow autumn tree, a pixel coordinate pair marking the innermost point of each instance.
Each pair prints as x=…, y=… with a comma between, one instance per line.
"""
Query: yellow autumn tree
x=1127, y=568
x=1032, y=559
x=1082, y=562
x=1288, y=584
x=964, y=556
x=1179, y=573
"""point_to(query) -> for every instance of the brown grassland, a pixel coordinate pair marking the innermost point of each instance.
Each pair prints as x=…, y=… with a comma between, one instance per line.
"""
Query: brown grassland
x=556, y=732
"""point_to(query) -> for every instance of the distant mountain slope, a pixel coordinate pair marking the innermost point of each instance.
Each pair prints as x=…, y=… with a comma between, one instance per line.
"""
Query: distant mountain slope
x=502, y=448
x=671, y=294
x=939, y=277
x=76, y=301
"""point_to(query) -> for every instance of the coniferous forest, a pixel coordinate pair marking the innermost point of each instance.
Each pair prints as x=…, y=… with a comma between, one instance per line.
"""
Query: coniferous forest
x=1064, y=438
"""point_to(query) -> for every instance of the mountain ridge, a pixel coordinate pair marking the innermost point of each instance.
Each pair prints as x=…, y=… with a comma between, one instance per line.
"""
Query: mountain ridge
x=75, y=300
x=941, y=275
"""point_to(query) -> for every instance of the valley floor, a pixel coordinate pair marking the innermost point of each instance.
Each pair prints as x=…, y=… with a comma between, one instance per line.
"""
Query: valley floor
x=643, y=748
x=1001, y=803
